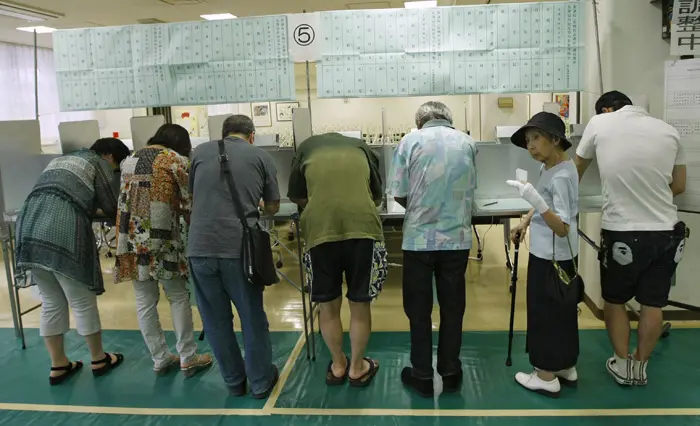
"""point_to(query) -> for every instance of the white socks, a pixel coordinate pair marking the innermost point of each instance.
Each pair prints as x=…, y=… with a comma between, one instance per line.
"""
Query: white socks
x=628, y=371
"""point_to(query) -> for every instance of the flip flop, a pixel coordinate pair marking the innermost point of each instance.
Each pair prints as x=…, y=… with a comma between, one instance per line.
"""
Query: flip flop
x=69, y=369
x=332, y=379
x=366, y=378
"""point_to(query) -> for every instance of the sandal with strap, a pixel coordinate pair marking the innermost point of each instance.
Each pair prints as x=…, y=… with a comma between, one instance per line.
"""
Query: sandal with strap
x=332, y=379
x=108, y=364
x=70, y=371
x=366, y=378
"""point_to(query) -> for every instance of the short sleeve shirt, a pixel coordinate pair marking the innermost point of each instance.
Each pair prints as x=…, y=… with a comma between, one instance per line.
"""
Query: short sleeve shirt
x=435, y=169
x=558, y=187
x=340, y=178
x=636, y=154
x=215, y=230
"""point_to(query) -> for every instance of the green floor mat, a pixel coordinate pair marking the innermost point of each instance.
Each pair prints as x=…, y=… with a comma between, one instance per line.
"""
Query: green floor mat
x=68, y=419
x=131, y=385
x=674, y=374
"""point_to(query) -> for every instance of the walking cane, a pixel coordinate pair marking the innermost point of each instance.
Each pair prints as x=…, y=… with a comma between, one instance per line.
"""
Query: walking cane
x=513, y=287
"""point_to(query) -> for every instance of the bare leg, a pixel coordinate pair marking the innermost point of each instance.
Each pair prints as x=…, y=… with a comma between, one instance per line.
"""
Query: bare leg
x=547, y=376
x=97, y=353
x=360, y=328
x=618, y=324
x=332, y=331
x=650, y=325
x=54, y=344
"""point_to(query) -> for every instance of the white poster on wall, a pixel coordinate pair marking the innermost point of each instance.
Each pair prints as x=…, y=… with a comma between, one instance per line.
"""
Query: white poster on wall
x=685, y=28
x=304, y=37
x=682, y=111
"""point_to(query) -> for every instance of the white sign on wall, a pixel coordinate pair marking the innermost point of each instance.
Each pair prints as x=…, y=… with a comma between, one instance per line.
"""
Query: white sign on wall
x=685, y=28
x=304, y=37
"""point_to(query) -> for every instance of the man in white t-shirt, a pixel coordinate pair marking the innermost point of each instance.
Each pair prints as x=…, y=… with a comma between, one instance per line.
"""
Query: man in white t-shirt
x=642, y=167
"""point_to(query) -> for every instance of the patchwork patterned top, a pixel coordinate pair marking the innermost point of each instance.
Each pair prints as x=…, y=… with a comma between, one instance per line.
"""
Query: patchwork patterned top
x=435, y=169
x=153, y=199
x=54, y=228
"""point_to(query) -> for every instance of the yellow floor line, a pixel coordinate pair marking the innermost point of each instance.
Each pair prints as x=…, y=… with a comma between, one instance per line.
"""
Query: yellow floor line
x=488, y=413
x=311, y=412
x=78, y=409
x=284, y=375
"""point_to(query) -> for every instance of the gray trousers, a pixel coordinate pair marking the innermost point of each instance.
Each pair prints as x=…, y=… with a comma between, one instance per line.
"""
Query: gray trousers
x=147, y=296
x=58, y=292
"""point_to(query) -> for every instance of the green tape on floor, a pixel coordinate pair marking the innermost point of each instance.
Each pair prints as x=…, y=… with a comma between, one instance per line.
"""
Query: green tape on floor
x=25, y=375
x=68, y=419
x=674, y=374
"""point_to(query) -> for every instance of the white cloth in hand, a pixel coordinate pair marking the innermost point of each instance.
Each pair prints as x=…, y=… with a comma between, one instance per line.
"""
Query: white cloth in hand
x=530, y=194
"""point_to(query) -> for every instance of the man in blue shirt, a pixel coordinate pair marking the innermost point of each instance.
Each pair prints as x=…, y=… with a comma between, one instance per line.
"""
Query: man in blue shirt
x=433, y=176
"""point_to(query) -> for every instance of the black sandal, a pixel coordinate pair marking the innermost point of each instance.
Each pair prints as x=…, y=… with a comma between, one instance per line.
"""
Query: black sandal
x=69, y=369
x=332, y=379
x=108, y=364
x=366, y=378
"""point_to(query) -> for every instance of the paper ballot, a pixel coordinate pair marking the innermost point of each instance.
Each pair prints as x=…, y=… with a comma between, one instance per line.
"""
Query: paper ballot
x=521, y=175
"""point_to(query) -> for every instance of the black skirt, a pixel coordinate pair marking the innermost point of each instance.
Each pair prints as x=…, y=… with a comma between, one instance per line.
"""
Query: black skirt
x=552, y=320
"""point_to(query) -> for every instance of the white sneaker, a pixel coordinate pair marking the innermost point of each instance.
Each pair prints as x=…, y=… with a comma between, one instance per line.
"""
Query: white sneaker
x=639, y=372
x=568, y=377
x=621, y=370
x=533, y=382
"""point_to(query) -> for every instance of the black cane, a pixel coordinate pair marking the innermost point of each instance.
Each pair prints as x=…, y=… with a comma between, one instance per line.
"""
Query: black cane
x=513, y=286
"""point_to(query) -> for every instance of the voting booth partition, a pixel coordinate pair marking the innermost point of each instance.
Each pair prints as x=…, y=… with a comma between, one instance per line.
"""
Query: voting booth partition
x=461, y=54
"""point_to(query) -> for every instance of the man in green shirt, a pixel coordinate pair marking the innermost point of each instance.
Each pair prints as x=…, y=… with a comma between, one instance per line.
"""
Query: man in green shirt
x=336, y=180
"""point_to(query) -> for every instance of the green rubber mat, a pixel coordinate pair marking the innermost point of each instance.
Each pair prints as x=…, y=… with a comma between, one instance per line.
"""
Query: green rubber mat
x=133, y=384
x=68, y=419
x=674, y=374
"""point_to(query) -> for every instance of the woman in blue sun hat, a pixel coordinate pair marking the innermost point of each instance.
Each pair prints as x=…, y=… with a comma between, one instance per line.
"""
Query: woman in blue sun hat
x=554, y=288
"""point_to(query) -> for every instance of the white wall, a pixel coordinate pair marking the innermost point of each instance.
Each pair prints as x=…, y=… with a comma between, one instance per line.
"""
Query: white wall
x=633, y=55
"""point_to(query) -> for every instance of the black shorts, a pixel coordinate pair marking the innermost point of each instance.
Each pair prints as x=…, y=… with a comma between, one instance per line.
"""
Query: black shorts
x=363, y=261
x=640, y=265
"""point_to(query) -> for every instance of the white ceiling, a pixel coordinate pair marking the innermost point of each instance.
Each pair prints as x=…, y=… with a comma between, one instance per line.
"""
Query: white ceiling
x=91, y=13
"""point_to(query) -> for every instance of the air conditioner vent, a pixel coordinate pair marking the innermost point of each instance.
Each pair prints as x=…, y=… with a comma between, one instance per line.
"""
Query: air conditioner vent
x=150, y=21
x=182, y=2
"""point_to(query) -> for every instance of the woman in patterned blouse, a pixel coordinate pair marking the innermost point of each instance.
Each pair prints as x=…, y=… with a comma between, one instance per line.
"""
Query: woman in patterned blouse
x=154, y=205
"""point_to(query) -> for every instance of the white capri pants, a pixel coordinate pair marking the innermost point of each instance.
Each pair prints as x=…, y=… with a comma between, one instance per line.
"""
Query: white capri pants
x=58, y=292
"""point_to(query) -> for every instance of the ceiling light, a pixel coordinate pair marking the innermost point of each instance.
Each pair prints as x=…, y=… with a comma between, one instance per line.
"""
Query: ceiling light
x=39, y=29
x=18, y=11
x=420, y=4
x=217, y=16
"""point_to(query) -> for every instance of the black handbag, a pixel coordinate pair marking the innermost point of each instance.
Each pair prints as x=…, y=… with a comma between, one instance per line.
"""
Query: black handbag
x=566, y=289
x=257, y=258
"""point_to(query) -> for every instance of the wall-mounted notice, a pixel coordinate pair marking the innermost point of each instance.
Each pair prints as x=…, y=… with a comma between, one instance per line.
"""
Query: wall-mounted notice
x=685, y=28
x=682, y=110
x=185, y=63
x=533, y=47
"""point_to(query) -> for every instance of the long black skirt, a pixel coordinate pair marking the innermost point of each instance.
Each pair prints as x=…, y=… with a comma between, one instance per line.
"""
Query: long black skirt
x=552, y=320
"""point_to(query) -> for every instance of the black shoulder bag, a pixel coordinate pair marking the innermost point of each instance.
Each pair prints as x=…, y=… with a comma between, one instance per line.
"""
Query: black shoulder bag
x=567, y=289
x=257, y=250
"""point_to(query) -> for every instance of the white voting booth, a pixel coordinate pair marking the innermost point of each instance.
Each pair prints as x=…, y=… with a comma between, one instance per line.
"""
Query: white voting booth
x=378, y=53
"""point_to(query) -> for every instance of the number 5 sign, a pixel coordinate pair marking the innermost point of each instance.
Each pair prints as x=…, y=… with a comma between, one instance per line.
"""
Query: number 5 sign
x=304, y=37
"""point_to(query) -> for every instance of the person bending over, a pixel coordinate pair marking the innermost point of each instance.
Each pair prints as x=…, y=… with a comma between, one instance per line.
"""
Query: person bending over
x=215, y=246
x=553, y=291
x=433, y=175
x=642, y=167
x=336, y=180
x=56, y=243
x=150, y=248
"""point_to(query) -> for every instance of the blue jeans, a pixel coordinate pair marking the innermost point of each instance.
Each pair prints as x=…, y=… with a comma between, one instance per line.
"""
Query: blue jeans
x=217, y=283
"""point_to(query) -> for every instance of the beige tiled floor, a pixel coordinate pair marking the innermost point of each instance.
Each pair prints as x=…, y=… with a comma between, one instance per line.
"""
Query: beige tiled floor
x=488, y=299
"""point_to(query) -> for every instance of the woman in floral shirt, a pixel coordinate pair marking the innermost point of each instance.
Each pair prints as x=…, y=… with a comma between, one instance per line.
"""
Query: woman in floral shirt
x=153, y=200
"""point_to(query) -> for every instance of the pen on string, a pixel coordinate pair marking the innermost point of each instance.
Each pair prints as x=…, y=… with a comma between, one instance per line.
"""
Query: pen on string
x=491, y=204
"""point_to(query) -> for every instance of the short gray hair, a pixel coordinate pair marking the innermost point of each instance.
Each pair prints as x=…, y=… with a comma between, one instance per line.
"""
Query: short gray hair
x=432, y=111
